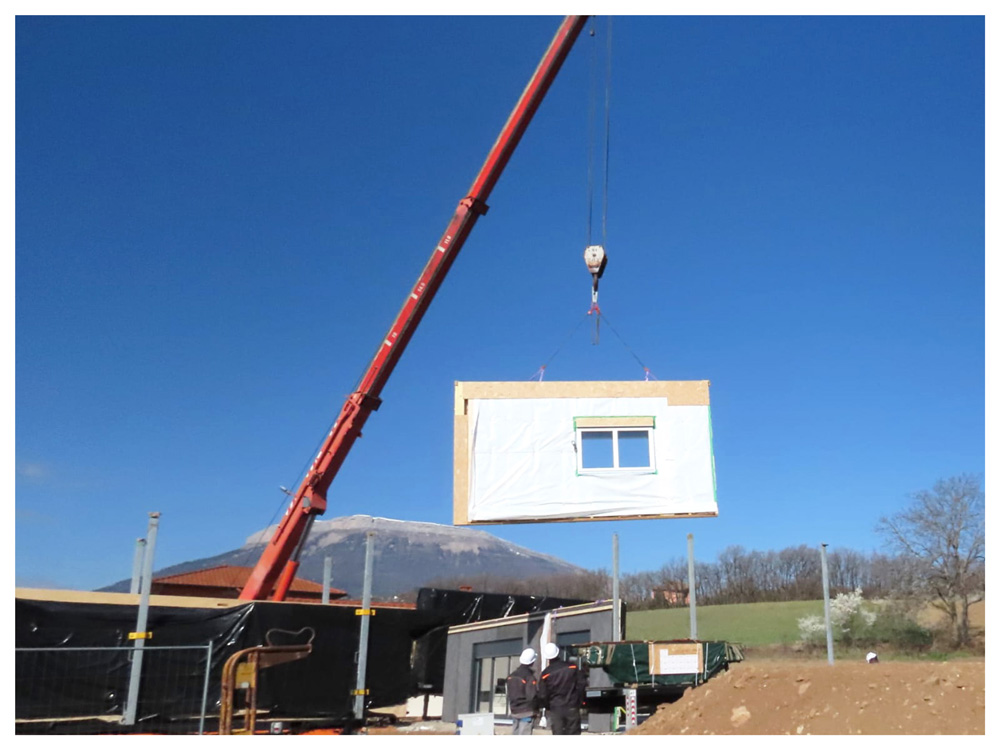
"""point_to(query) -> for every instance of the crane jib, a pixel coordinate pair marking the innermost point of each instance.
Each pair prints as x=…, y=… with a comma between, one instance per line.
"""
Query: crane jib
x=310, y=499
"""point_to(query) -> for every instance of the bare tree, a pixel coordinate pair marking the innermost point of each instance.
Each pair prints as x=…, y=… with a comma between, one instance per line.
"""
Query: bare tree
x=943, y=534
x=892, y=576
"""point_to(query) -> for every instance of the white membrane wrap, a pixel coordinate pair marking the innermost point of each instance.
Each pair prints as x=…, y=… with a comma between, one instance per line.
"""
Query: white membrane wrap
x=523, y=462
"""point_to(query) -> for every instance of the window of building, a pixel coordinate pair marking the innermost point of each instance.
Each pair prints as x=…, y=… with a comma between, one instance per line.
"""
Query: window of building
x=493, y=661
x=572, y=638
x=614, y=444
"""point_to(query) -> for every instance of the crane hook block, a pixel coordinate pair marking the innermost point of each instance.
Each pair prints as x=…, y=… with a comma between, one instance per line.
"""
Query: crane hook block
x=596, y=260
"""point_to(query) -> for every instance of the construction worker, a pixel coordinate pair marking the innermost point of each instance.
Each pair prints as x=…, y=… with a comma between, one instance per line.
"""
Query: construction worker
x=561, y=689
x=522, y=690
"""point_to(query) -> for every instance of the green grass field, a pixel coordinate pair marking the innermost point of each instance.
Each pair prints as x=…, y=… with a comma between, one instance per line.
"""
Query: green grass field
x=761, y=624
x=758, y=624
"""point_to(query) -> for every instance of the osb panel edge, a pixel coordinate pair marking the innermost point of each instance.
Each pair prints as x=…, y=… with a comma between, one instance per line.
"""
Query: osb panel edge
x=460, y=516
x=504, y=522
x=677, y=392
x=111, y=597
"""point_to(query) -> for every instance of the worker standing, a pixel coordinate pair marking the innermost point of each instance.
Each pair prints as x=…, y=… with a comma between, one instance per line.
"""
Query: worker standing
x=522, y=692
x=561, y=689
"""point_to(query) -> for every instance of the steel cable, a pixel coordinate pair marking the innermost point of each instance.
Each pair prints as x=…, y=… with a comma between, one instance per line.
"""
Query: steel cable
x=627, y=347
x=591, y=133
x=564, y=342
x=607, y=139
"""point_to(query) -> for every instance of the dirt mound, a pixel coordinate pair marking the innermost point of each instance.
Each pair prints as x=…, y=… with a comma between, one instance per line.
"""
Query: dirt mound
x=774, y=697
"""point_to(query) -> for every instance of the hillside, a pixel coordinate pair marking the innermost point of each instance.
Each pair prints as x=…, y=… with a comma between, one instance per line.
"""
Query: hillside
x=758, y=624
x=408, y=555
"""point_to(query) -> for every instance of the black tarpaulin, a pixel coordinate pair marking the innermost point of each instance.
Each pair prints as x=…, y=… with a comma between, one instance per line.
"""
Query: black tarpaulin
x=406, y=656
x=94, y=682
x=473, y=606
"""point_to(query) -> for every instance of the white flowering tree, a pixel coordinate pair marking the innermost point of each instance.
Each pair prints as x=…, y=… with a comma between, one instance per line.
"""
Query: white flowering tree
x=850, y=617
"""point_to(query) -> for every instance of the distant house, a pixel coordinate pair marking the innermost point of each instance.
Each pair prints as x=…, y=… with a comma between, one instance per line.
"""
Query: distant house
x=226, y=582
x=673, y=593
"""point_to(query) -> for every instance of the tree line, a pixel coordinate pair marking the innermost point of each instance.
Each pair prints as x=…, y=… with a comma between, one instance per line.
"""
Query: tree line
x=737, y=576
x=741, y=576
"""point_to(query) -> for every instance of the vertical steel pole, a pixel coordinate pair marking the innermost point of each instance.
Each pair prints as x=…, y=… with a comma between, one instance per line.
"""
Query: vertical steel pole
x=366, y=603
x=140, y=623
x=631, y=708
x=327, y=577
x=826, y=604
x=691, y=586
x=204, y=690
x=140, y=548
x=616, y=628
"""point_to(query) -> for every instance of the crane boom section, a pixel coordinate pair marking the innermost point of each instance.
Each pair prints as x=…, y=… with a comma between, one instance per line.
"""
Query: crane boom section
x=310, y=498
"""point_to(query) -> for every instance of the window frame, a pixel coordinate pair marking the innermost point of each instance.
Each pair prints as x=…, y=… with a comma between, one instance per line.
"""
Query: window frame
x=616, y=426
x=485, y=656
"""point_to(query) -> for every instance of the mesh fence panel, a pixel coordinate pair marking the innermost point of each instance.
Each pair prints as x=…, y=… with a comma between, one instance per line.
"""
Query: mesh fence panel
x=85, y=690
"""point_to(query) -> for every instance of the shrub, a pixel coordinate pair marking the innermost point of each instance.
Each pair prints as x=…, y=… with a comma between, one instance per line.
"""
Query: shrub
x=812, y=629
x=850, y=619
x=856, y=622
x=897, y=626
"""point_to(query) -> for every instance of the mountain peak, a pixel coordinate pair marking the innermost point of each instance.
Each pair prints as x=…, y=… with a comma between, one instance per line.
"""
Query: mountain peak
x=408, y=555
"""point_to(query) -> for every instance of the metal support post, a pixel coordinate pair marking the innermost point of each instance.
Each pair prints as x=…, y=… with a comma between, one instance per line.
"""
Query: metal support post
x=616, y=628
x=826, y=603
x=204, y=690
x=140, y=624
x=366, y=604
x=327, y=577
x=631, y=708
x=140, y=549
x=692, y=605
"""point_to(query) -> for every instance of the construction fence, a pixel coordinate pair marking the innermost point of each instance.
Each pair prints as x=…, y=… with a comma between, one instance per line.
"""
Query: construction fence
x=54, y=690
x=73, y=662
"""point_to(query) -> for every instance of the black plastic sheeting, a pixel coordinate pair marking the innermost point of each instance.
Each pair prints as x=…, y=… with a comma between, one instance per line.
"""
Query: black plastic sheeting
x=406, y=656
x=95, y=683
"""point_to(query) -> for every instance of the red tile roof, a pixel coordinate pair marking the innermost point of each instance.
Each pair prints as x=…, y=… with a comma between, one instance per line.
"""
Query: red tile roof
x=235, y=576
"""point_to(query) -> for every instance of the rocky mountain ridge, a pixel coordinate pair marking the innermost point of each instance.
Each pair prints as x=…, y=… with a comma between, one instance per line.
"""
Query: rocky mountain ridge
x=407, y=555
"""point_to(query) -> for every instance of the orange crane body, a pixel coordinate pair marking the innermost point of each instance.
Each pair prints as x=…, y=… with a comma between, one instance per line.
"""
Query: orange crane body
x=279, y=561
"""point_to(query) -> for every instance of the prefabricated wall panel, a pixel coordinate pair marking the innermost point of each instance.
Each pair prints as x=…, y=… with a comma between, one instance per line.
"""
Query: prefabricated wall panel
x=527, y=452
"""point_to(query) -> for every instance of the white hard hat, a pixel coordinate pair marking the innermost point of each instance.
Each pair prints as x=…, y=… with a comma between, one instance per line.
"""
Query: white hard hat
x=528, y=656
x=550, y=651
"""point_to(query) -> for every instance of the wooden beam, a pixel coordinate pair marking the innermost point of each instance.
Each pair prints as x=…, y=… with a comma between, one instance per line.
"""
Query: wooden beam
x=677, y=392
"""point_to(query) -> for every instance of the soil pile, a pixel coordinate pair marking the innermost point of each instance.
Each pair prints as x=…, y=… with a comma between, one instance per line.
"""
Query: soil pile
x=810, y=697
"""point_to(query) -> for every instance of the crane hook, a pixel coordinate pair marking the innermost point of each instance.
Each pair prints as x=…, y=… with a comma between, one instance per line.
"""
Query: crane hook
x=596, y=260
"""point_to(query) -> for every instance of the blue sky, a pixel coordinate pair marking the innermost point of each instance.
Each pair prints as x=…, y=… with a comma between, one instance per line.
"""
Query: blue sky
x=217, y=219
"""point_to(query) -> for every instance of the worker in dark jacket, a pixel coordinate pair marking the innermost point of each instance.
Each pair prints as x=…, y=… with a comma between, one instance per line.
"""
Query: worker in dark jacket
x=522, y=690
x=561, y=689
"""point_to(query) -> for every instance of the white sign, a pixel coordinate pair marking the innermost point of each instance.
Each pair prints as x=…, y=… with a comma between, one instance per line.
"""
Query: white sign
x=677, y=663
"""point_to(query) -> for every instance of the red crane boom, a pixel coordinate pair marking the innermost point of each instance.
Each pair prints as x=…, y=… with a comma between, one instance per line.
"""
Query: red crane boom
x=281, y=554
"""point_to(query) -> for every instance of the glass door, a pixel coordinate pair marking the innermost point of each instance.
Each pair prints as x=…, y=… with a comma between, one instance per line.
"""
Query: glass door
x=492, y=664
